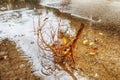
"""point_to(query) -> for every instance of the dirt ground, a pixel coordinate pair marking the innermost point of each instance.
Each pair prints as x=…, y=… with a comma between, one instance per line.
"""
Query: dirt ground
x=98, y=53
x=97, y=50
x=12, y=65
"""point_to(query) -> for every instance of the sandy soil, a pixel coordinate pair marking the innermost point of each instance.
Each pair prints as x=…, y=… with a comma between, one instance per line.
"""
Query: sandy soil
x=98, y=53
x=12, y=65
x=97, y=50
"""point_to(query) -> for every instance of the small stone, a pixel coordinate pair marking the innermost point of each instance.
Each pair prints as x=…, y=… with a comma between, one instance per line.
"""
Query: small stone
x=5, y=57
x=22, y=65
x=96, y=75
x=95, y=48
x=32, y=42
x=3, y=52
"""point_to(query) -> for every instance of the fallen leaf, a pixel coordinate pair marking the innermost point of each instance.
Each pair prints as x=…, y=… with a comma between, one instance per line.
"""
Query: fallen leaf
x=100, y=33
x=65, y=52
x=91, y=43
x=92, y=53
x=95, y=48
x=85, y=42
x=48, y=46
x=66, y=64
x=64, y=40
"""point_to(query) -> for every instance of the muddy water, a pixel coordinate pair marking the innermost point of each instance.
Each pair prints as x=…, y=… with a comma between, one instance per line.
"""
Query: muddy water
x=19, y=23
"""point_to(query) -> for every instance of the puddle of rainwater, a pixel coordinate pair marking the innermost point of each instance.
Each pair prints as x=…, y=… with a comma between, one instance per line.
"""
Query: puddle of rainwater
x=19, y=25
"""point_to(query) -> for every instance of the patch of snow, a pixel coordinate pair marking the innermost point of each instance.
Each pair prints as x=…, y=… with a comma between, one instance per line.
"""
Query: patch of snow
x=17, y=25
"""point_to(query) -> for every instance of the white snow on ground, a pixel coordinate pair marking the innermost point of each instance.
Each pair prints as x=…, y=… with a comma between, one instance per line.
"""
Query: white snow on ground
x=17, y=25
x=97, y=9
